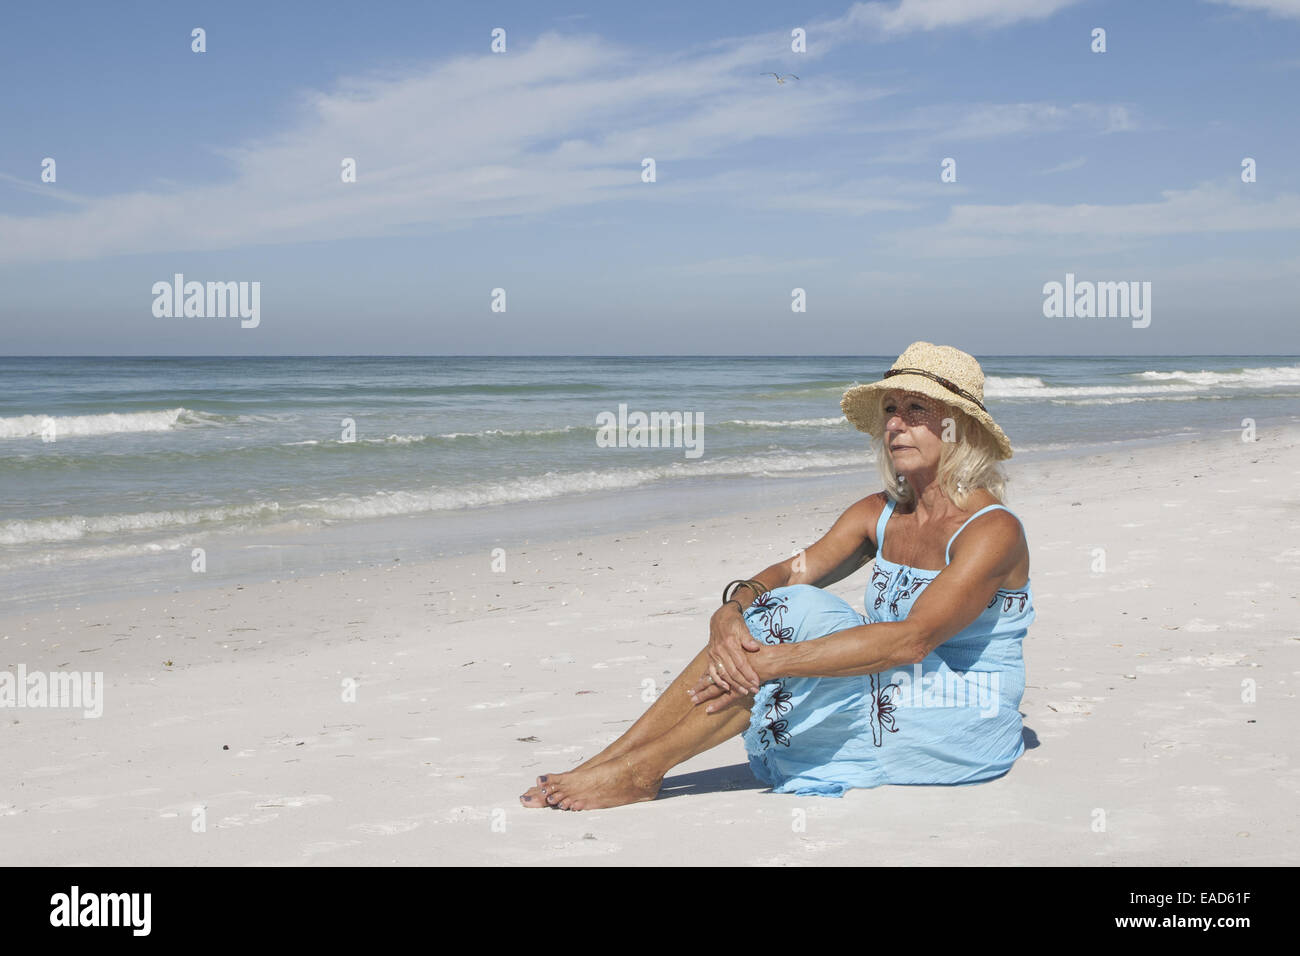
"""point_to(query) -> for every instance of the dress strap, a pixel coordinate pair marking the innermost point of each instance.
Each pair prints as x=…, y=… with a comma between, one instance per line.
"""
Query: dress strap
x=947, y=557
x=883, y=520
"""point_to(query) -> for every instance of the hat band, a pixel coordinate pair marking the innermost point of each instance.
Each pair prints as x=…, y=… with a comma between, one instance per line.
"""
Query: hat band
x=942, y=381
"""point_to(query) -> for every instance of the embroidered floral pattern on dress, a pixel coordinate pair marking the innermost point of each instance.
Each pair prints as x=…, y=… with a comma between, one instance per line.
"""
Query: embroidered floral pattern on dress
x=771, y=611
x=777, y=729
x=882, y=710
x=895, y=586
x=1009, y=598
x=879, y=581
x=907, y=587
x=778, y=706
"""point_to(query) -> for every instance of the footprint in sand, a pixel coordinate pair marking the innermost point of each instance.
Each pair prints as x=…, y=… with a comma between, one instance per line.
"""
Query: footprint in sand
x=306, y=800
x=244, y=820
x=619, y=660
x=466, y=814
x=583, y=847
x=386, y=829
x=314, y=849
x=266, y=809
x=1212, y=660
x=1131, y=585
x=1080, y=706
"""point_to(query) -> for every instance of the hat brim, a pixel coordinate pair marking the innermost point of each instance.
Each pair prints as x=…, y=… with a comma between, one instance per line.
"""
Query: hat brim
x=861, y=406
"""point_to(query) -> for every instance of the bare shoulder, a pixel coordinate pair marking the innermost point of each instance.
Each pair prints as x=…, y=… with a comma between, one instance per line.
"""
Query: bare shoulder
x=864, y=514
x=996, y=532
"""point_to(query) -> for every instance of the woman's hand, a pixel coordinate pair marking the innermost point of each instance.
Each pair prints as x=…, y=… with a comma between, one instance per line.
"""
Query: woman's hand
x=730, y=648
x=707, y=691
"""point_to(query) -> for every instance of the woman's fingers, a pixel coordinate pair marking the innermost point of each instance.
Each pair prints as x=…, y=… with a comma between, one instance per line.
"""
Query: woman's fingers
x=704, y=692
x=746, y=677
x=728, y=700
x=718, y=675
x=704, y=683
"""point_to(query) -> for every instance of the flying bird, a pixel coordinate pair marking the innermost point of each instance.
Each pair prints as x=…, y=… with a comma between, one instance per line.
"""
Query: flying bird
x=779, y=78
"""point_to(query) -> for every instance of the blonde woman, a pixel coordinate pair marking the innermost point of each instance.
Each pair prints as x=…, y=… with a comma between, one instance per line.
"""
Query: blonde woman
x=924, y=688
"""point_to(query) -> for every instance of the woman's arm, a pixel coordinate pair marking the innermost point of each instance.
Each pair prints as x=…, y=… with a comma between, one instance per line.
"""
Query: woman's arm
x=841, y=551
x=949, y=603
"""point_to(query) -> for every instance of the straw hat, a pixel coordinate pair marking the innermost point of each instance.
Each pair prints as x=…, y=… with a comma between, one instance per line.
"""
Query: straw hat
x=939, y=371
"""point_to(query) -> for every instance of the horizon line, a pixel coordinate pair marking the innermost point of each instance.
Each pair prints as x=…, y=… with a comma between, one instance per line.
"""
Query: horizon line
x=339, y=355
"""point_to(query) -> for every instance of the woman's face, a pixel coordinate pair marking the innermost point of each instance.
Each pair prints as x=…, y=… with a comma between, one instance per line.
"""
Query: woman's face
x=913, y=431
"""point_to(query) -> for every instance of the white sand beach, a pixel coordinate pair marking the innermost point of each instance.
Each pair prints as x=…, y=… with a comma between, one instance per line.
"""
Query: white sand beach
x=469, y=683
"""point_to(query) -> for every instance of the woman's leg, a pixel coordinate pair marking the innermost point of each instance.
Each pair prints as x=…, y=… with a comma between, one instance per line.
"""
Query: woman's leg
x=669, y=708
x=632, y=769
x=637, y=774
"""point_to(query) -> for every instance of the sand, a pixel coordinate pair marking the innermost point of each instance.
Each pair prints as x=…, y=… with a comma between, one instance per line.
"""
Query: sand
x=1160, y=710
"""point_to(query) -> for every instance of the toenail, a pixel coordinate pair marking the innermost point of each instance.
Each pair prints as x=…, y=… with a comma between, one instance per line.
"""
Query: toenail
x=542, y=779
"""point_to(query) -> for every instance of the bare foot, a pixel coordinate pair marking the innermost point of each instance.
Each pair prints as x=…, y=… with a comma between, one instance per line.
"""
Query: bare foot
x=535, y=796
x=613, y=783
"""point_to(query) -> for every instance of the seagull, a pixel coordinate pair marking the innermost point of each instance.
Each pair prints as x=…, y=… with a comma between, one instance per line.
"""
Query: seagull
x=779, y=78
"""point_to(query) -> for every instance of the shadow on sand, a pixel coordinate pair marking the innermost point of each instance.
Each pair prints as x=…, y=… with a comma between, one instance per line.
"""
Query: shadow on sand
x=719, y=779
x=740, y=777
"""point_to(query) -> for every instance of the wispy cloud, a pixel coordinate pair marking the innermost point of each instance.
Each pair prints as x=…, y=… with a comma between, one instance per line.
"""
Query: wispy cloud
x=985, y=230
x=563, y=123
x=750, y=265
x=992, y=120
x=1278, y=8
x=808, y=192
x=560, y=124
x=935, y=127
x=1227, y=270
x=46, y=190
x=1064, y=167
x=908, y=16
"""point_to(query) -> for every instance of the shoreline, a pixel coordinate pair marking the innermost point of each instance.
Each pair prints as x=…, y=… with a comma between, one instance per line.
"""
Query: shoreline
x=469, y=683
x=267, y=554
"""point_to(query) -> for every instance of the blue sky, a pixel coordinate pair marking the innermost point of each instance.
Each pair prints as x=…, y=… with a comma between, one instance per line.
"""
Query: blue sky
x=522, y=170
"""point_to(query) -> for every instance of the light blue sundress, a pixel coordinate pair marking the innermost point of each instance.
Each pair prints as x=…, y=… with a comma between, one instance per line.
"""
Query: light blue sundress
x=954, y=718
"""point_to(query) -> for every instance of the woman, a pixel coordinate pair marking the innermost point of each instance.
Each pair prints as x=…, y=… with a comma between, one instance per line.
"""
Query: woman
x=926, y=688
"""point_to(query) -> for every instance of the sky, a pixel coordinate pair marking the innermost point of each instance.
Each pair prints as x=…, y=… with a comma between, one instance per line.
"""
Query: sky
x=522, y=170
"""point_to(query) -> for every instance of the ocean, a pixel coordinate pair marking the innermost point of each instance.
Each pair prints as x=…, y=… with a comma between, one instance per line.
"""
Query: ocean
x=282, y=466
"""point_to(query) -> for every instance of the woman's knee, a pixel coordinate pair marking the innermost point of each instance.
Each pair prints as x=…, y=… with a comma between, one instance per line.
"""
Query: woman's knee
x=798, y=612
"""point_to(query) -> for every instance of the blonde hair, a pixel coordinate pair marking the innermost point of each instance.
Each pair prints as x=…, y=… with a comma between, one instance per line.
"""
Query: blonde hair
x=971, y=460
